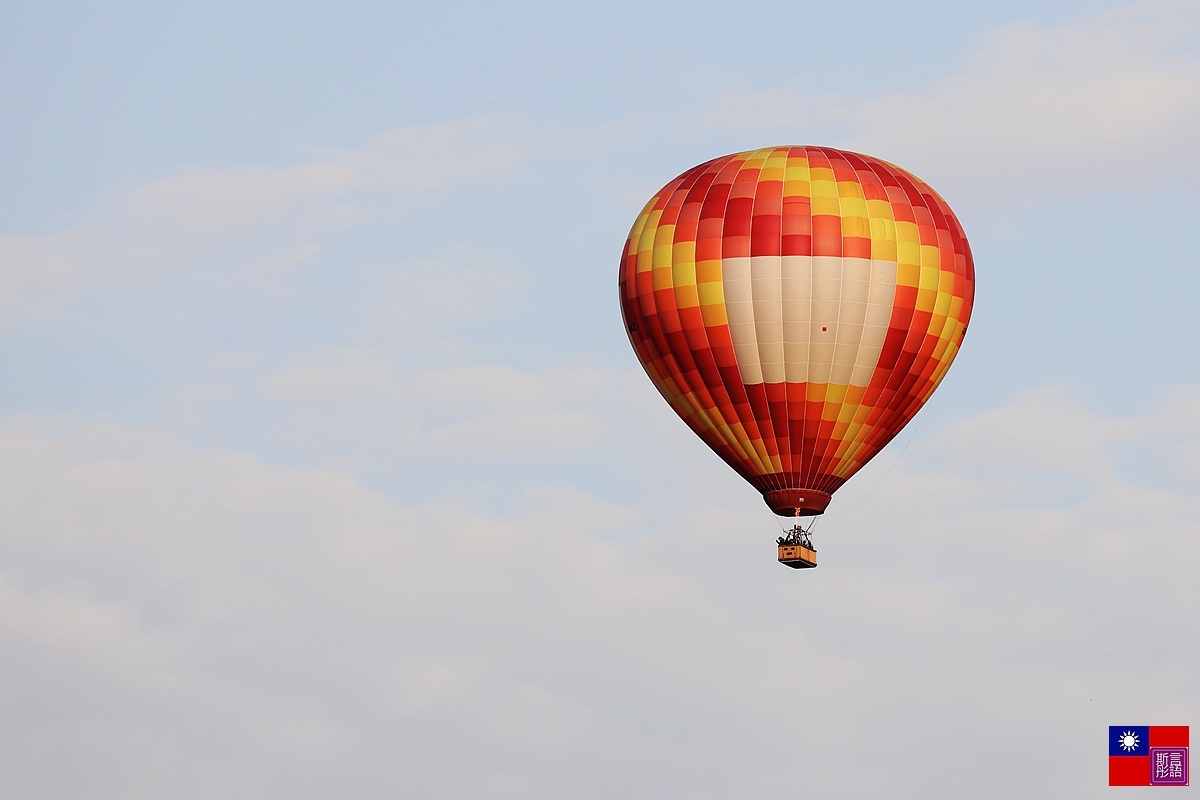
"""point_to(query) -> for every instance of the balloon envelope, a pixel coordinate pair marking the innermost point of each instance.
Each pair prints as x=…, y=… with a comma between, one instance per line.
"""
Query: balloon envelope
x=796, y=306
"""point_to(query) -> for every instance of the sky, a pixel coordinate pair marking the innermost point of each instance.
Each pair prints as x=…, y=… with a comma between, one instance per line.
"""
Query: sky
x=328, y=471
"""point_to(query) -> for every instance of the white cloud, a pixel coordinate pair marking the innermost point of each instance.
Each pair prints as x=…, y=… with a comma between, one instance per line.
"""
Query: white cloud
x=192, y=622
x=1106, y=103
x=1043, y=433
x=397, y=172
x=252, y=218
x=38, y=273
x=1176, y=434
x=1103, y=103
x=453, y=414
x=229, y=202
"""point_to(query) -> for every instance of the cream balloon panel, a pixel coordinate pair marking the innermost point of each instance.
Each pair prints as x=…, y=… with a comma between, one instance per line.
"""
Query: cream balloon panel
x=801, y=319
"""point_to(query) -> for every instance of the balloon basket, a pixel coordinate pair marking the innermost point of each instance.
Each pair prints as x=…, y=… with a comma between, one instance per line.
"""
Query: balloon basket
x=797, y=556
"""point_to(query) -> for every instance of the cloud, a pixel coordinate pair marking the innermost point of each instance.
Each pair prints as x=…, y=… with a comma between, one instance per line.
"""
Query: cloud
x=396, y=172
x=37, y=274
x=233, y=201
x=1174, y=454
x=1041, y=111
x=145, y=545
x=191, y=622
x=1105, y=103
x=250, y=219
x=1046, y=436
x=455, y=414
x=1057, y=108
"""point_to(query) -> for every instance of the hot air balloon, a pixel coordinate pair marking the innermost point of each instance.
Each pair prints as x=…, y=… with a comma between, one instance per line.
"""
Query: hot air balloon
x=796, y=306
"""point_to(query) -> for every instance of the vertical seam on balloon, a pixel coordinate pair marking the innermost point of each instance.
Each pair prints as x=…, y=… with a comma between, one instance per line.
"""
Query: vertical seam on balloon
x=718, y=392
x=830, y=456
x=855, y=426
x=797, y=445
x=892, y=417
x=837, y=462
x=778, y=437
x=708, y=405
x=880, y=428
x=793, y=458
x=773, y=477
x=821, y=461
x=652, y=320
x=868, y=432
x=911, y=401
x=904, y=400
x=764, y=423
x=809, y=469
x=748, y=425
x=786, y=461
x=749, y=459
x=941, y=364
x=798, y=477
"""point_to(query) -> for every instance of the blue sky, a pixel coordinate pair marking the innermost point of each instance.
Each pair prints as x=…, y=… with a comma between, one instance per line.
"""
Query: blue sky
x=328, y=470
